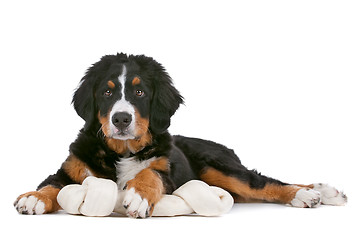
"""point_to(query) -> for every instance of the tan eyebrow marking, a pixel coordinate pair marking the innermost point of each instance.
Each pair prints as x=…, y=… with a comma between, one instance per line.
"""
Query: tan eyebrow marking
x=111, y=84
x=136, y=81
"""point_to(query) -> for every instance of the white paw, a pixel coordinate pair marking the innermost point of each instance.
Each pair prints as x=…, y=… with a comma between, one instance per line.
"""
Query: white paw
x=306, y=198
x=330, y=195
x=30, y=205
x=135, y=205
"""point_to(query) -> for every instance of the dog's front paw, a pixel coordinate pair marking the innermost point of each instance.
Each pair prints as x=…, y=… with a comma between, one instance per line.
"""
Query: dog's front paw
x=142, y=193
x=136, y=205
x=306, y=198
x=38, y=202
x=141, y=197
x=330, y=195
x=32, y=203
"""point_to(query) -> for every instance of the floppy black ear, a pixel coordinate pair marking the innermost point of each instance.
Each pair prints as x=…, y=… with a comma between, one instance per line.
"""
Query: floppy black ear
x=83, y=100
x=166, y=100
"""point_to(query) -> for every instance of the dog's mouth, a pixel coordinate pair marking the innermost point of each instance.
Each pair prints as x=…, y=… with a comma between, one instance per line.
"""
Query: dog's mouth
x=122, y=134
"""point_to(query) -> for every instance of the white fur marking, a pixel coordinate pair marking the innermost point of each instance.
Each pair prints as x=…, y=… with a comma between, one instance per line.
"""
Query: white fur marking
x=88, y=173
x=143, y=208
x=30, y=205
x=133, y=201
x=122, y=80
x=135, y=204
x=306, y=197
x=40, y=207
x=330, y=195
x=123, y=106
x=20, y=206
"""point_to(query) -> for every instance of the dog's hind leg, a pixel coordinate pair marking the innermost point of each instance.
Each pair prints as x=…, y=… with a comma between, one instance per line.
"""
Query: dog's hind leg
x=219, y=166
x=261, y=188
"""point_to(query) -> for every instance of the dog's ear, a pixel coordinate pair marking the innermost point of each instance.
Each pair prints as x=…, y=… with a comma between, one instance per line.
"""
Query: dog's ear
x=83, y=99
x=165, y=100
x=84, y=96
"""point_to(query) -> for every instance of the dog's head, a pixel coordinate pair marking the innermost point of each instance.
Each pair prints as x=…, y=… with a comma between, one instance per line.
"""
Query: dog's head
x=128, y=96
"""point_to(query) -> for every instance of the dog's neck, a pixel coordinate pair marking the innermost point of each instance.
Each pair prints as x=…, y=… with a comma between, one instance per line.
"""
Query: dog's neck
x=122, y=147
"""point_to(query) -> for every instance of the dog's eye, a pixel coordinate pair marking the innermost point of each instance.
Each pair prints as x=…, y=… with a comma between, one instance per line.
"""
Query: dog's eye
x=108, y=93
x=139, y=93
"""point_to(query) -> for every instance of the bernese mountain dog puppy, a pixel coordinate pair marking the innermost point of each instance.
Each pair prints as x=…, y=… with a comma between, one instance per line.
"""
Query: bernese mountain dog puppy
x=127, y=102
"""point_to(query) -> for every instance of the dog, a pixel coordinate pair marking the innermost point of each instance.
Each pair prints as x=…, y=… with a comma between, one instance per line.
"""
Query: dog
x=127, y=102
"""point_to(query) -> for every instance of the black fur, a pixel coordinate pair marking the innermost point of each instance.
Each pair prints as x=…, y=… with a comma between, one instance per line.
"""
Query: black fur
x=203, y=154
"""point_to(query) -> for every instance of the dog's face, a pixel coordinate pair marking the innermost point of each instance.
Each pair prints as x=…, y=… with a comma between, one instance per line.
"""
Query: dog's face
x=128, y=96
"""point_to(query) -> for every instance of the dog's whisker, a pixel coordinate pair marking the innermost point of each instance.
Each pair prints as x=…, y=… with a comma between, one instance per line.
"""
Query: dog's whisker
x=100, y=133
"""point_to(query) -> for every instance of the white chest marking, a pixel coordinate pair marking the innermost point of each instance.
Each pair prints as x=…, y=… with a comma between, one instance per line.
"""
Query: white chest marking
x=128, y=168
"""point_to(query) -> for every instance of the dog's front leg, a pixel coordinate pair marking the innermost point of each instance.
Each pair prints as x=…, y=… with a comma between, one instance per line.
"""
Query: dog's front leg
x=73, y=170
x=145, y=190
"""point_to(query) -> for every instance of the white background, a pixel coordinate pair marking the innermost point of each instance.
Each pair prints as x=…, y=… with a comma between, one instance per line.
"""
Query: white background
x=277, y=81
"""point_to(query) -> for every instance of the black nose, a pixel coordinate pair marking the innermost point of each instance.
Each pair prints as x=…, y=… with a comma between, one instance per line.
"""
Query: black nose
x=121, y=120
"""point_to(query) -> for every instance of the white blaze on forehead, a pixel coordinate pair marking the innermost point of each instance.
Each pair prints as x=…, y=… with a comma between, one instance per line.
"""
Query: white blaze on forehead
x=123, y=105
x=122, y=80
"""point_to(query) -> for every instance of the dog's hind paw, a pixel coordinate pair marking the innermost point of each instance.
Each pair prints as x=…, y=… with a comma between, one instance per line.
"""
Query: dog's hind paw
x=306, y=198
x=330, y=195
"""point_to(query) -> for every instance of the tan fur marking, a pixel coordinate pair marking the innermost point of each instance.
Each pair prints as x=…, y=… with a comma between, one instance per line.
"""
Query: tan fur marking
x=136, y=145
x=161, y=164
x=111, y=84
x=76, y=169
x=271, y=192
x=104, y=124
x=47, y=195
x=133, y=145
x=142, y=129
x=119, y=146
x=305, y=186
x=136, y=81
x=141, y=124
x=240, y=199
x=148, y=185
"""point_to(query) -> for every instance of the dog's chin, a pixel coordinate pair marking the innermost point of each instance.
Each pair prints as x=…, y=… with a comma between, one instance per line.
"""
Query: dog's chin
x=123, y=137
